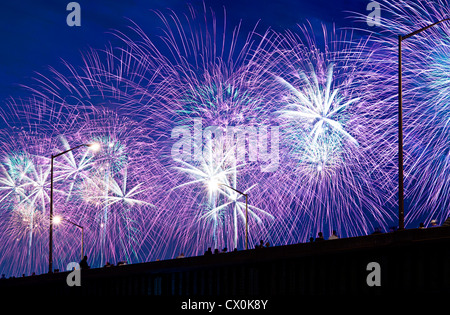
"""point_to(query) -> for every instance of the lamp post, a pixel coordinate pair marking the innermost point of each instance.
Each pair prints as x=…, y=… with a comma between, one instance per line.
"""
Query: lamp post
x=401, y=200
x=401, y=211
x=58, y=219
x=213, y=184
x=92, y=146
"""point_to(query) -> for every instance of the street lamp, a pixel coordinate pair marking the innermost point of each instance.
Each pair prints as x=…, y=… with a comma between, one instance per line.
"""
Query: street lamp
x=58, y=219
x=92, y=146
x=213, y=185
x=401, y=200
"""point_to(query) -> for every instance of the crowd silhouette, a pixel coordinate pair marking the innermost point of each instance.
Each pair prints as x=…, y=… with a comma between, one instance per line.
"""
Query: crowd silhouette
x=319, y=238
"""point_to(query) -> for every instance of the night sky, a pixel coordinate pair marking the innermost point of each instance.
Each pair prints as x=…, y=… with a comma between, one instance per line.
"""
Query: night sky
x=35, y=34
x=36, y=37
x=325, y=183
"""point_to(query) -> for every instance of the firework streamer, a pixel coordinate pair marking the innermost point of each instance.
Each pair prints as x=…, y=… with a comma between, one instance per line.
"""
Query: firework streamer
x=118, y=186
x=208, y=92
x=299, y=127
x=425, y=101
x=331, y=134
x=24, y=197
x=66, y=109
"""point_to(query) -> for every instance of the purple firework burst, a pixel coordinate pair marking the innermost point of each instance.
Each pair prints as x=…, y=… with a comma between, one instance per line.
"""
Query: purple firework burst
x=425, y=101
x=333, y=149
x=203, y=130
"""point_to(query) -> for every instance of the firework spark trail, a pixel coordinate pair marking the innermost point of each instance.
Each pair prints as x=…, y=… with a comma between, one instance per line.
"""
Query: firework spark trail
x=117, y=212
x=207, y=76
x=425, y=71
x=23, y=198
x=221, y=168
x=332, y=138
x=209, y=83
x=118, y=189
x=224, y=94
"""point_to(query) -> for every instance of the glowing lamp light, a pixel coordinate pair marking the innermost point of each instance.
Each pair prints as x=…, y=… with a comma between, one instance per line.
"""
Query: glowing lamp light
x=57, y=219
x=95, y=146
x=213, y=184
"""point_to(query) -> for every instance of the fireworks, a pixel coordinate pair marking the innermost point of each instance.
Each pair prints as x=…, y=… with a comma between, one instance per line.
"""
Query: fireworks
x=425, y=102
x=330, y=135
x=104, y=191
x=205, y=123
x=210, y=98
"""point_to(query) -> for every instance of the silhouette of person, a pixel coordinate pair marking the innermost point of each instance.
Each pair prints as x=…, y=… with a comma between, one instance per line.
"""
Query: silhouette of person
x=83, y=263
x=319, y=237
x=377, y=231
x=208, y=252
x=333, y=236
x=446, y=222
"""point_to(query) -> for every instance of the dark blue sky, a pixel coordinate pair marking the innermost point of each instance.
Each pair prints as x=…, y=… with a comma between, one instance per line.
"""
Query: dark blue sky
x=35, y=34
